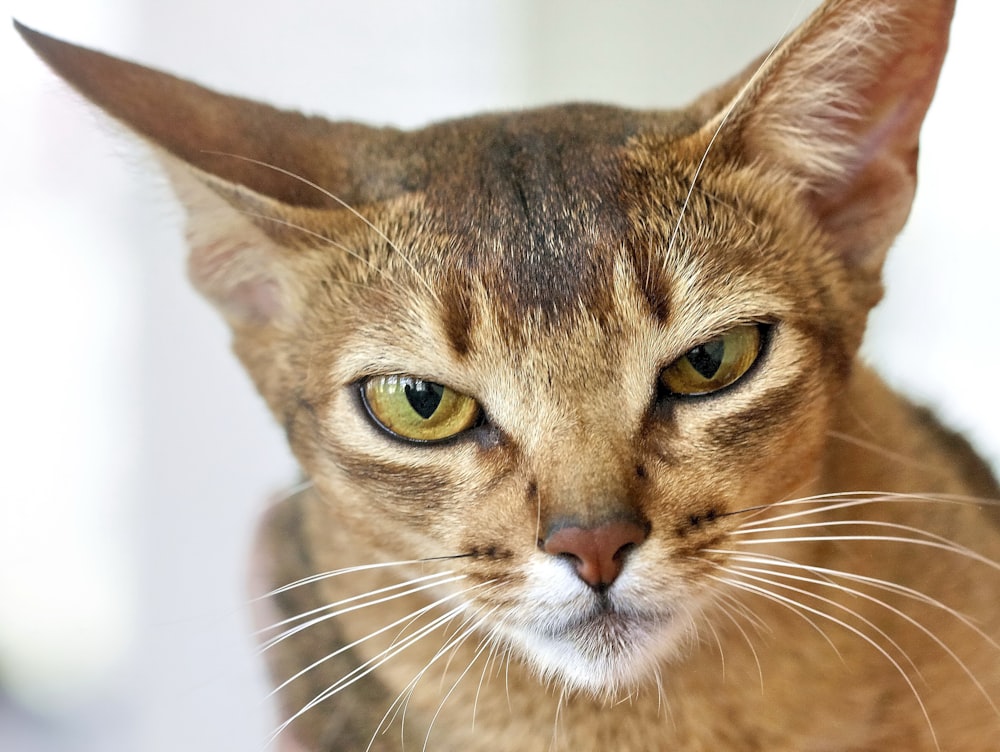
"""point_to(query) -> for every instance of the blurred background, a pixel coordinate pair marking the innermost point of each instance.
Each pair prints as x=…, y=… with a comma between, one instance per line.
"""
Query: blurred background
x=134, y=455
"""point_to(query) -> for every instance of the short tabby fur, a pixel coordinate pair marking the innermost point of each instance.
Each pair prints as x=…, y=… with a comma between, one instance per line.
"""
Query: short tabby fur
x=589, y=454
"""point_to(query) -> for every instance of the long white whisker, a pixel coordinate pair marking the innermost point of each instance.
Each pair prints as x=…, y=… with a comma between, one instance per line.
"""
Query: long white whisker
x=490, y=659
x=745, y=573
x=311, y=233
x=342, y=203
x=453, y=648
x=718, y=642
x=880, y=584
x=367, y=667
x=725, y=611
x=399, y=706
x=750, y=587
x=925, y=534
x=953, y=548
x=346, y=570
x=554, y=744
x=340, y=608
x=824, y=503
x=902, y=459
x=374, y=663
x=345, y=648
x=817, y=504
x=745, y=611
x=789, y=606
x=715, y=135
x=402, y=699
x=892, y=609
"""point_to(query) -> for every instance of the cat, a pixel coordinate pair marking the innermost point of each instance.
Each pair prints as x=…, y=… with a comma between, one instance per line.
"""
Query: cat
x=590, y=460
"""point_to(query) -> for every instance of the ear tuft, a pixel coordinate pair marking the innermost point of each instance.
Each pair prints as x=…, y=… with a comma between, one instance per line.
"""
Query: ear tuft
x=837, y=108
x=806, y=115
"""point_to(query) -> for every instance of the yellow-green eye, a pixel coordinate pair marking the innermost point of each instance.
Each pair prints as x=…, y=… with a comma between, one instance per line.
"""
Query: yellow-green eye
x=715, y=364
x=416, y=409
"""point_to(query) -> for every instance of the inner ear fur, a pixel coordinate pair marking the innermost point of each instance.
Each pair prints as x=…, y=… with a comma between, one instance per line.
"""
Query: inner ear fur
x=837, y=109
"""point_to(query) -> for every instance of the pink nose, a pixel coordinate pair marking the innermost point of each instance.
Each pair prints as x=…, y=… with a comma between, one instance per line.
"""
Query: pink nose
x=598, y=553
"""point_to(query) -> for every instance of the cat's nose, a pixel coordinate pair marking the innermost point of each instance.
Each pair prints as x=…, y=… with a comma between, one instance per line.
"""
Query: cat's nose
x=598, y=553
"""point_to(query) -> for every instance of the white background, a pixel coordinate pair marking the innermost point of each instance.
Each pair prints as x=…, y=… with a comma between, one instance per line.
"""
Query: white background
x=134, y=456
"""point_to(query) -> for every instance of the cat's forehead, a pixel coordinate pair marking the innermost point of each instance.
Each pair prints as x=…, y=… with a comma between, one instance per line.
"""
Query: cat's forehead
x=538, y=203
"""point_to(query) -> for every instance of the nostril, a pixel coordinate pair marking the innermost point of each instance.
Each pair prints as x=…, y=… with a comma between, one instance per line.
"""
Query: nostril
x=622, y=552
x=598, y=553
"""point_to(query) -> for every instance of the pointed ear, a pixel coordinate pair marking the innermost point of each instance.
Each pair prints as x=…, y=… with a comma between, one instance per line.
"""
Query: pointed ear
x=232, y=161
x=837, y=107
x=204, y=128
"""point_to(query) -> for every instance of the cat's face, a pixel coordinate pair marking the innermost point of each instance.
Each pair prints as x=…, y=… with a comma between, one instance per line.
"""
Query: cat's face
x=561, y=325
x=566, y=348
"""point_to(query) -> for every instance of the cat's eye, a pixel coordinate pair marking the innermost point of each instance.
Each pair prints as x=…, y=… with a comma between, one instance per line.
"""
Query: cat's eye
x=418, y=410
x=715, y=364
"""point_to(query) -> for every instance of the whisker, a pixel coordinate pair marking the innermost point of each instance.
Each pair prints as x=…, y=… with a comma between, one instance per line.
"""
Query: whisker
x=750, y=587
x=744, y=572
x=660, y=700
x=901, y=459
x=509, y=656
x=399, y=706
x=365, y=668
x=374, y=663
x=339, y=608
x=352, y=570
x=739, y=627
x=291, y=491
x=747, y=86
x=787, y=605
x=447, y=664
x=950, y=547
x=403, y=698
x=345, y=648
x=312, y=233
x=342, y=203
x=830, y=502
x=554, y=744
x=453, y=648
x=892, y=609
x=823, y=503
x=718, y=642
x=745, y=611
x=926, y=534
x=490, y=662
x=880, y=584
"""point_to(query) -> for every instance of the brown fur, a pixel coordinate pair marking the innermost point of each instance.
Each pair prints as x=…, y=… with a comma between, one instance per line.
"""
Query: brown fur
x=551, y=263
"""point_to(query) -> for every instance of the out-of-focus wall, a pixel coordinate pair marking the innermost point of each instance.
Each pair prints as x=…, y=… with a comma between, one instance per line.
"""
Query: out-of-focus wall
x=134, y=457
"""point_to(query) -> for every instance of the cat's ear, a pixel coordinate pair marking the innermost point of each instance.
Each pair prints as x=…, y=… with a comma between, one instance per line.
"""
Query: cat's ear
x=231, y=161
x=838, y=106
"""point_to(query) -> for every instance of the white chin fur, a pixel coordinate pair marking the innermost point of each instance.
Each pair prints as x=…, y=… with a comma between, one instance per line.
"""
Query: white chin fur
x=559, y=633
x=597, y=659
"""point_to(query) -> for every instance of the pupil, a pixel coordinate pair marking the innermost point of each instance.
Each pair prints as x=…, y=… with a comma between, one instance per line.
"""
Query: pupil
x=424, y=397
x=707, y=359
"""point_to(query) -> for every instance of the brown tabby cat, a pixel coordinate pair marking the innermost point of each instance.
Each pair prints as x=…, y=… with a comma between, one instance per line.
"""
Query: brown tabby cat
x=591, y=462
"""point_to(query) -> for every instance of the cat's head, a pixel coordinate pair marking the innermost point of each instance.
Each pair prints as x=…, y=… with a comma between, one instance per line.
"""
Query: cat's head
x=564, y=345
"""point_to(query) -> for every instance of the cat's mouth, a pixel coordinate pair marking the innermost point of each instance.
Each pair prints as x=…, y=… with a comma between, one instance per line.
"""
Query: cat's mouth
x=602, y=650
x=608, y=623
